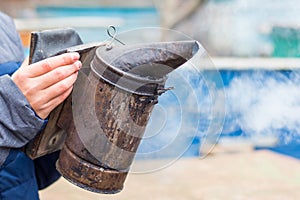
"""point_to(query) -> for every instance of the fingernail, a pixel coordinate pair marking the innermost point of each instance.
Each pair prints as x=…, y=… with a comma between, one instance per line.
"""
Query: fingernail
x=78, y=64
x=76, y=56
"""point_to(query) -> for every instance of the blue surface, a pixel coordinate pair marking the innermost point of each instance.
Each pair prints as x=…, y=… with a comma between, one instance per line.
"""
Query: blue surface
x=92, y=11
x=291, y=150
x=132, y=17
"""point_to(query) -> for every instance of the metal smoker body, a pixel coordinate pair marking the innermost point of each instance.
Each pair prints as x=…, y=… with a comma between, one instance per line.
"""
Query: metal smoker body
x=99, y=127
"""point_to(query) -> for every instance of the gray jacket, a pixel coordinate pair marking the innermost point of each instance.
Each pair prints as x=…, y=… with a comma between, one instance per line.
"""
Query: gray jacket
x=18, y=121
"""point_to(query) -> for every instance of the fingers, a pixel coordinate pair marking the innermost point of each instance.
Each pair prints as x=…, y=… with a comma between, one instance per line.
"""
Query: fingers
x=26, y=61
x=47, y=83
x=61, y=87
x=52, y=96
x=47, y=107
x=49, y=64
x=57, y=75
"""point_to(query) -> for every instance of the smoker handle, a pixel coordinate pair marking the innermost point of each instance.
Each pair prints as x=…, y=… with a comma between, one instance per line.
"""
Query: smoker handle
x=45, y=44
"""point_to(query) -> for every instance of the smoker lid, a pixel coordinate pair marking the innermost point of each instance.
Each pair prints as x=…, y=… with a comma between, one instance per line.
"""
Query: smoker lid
x=142, y=68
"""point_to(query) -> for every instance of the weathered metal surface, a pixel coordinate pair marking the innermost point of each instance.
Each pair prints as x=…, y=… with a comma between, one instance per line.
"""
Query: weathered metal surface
x=101, y=124
x=111, y=108
x=115, y=129
x=89, y=176
x=142, y=68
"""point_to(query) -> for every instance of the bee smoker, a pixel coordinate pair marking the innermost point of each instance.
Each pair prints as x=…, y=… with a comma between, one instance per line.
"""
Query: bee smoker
x=99, y=127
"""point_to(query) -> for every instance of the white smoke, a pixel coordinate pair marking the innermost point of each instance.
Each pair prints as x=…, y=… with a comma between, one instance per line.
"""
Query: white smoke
x=259, y=104
x=264, y=103
x=194, y=108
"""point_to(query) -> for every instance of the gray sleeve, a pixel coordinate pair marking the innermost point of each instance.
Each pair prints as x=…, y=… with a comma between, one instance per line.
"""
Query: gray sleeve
x=18, y=121
x=10, y=43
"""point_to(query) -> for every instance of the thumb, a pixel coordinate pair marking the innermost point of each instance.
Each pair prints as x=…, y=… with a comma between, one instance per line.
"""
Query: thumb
x=25, y=63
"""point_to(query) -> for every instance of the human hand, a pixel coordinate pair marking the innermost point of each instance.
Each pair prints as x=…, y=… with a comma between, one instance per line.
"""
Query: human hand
x=47, y=83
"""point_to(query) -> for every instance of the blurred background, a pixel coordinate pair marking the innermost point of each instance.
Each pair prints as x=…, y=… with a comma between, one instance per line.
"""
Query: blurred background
x=252, y=83
x=225, y=28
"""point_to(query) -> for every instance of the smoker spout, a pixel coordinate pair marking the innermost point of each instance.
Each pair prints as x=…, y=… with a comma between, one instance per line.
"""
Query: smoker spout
x=154, y=59
x=136, y=68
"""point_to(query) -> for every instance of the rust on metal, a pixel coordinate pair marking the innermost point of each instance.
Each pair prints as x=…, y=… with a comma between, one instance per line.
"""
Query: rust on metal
x=104, y=119
x=89, y=176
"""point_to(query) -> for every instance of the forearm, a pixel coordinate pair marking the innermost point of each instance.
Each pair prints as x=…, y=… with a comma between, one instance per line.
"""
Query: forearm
x=18, y=122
